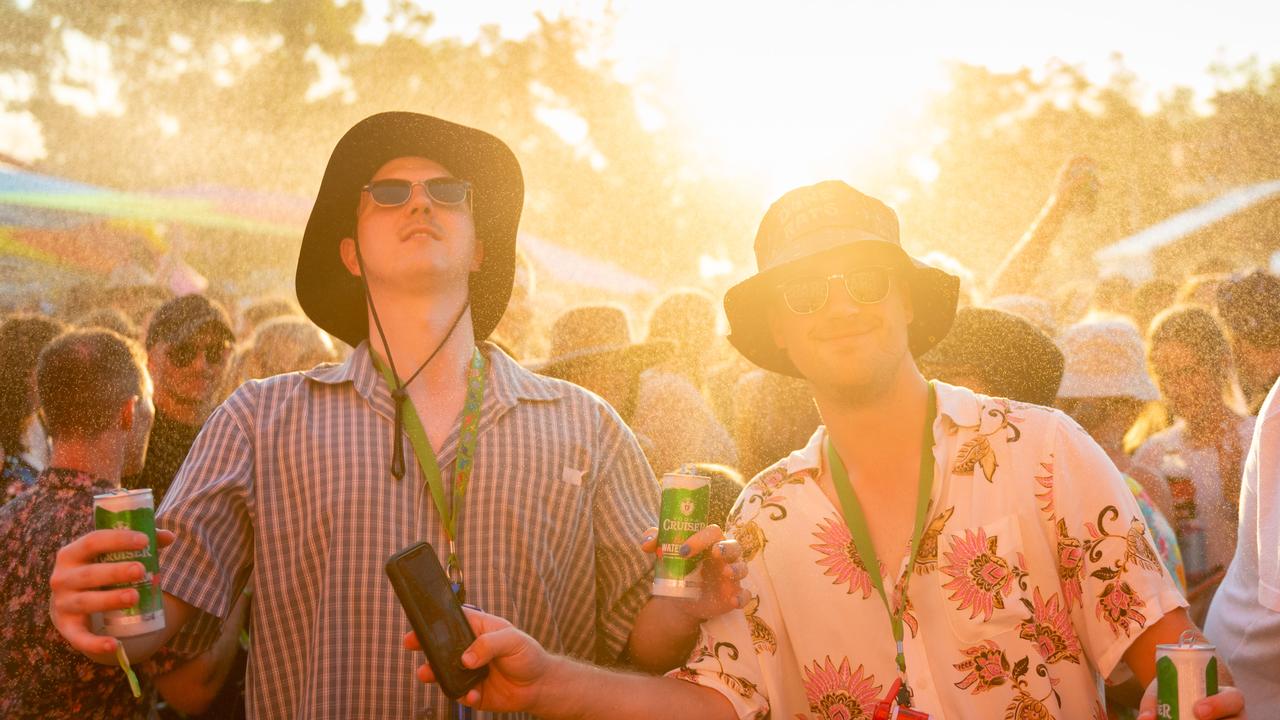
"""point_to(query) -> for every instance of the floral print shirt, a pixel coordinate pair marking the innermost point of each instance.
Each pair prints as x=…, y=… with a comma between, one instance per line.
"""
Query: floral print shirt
x=15, y=477
x=1034, y=574
x=42, y=676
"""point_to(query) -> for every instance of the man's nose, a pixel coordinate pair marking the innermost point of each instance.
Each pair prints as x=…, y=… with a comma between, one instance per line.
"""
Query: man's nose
x=419, y=199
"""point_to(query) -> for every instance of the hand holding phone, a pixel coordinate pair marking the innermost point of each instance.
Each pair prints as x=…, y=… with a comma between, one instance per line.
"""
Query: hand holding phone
x=435, y=615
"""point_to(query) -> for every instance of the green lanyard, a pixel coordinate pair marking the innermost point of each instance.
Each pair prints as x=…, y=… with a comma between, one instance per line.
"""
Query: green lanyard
x=857, y=522
x=450, y=513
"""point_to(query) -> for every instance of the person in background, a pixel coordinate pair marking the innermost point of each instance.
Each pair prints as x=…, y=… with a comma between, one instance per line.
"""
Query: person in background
x=1105, y=387
x=22, y=438
x=997, y=353
x=1201, y=457
x=1150, y=298
x=284, y=344
x=189, y=344
x=1075, y=192
x=1200, y=290
x=1113, y=295
x=1249, y=306
x=774, y=414
x=95, y=397
x=1244, y=619
x=110, y=318
x=591, y=347
x=262, y=309
x=672, y=410
x=1036, y=310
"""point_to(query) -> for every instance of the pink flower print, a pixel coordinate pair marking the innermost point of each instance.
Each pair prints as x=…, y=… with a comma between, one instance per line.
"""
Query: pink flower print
x=841, y=557
x=839, y=693
x=987, y=667
x=1049, y=629
x=1118, y=604
x=981, y=578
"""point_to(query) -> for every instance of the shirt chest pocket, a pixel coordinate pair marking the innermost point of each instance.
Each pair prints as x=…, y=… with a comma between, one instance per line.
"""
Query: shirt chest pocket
x=982, y=580
x=549, y=494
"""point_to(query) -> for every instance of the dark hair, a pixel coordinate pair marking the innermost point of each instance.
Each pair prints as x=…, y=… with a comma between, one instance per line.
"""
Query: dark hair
x=1197, y=328
x=84, y=377
x=21, y=339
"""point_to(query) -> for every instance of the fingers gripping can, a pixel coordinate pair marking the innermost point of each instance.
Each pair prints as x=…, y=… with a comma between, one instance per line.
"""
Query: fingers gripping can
x=133, y=510
x=685, y=498
x=1186, y=672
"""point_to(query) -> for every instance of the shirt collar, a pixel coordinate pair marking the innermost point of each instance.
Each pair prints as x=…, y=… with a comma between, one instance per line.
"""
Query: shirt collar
x=56, y=477
x=958, y=407
x=507, y=382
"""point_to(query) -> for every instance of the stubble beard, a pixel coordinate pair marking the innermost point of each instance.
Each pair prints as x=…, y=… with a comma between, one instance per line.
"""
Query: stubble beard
x=877, y=383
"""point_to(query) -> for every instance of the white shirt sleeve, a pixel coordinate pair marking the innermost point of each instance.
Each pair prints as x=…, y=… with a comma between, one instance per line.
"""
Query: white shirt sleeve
x=1262, y=480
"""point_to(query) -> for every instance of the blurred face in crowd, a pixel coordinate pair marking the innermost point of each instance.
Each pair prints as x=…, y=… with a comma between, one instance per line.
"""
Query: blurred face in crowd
x=1188, y=384
x=187, y=372
x=144, y=413
x=846, y=348
x=420, y=243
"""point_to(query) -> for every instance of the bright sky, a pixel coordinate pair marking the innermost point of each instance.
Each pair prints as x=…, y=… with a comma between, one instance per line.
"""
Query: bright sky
x=803, y=89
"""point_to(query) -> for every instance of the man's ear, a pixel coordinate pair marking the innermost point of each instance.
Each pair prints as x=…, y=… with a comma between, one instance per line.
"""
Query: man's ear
x=127, y=413
x=478, y=259
x=347, y=251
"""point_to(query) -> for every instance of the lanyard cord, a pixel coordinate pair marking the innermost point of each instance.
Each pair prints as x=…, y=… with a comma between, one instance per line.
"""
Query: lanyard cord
x=398, y=393
x=857, y=523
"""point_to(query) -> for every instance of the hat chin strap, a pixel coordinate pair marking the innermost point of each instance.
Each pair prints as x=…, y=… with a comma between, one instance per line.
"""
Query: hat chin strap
x=398, y=393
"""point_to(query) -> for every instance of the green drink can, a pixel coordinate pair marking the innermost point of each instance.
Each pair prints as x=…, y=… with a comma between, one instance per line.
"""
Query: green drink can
x=133, y=510
x=1186, y=673
x=685, y=498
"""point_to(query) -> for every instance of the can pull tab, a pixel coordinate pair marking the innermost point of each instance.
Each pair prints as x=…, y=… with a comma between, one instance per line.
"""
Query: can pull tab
x=1188, y=638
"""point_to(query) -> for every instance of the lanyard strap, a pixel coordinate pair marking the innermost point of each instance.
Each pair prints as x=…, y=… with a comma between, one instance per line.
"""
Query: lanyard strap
x=857, y=522
x=450, y=512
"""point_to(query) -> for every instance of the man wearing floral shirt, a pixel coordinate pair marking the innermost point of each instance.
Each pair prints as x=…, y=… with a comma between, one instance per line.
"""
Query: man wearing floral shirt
x=1033, y=576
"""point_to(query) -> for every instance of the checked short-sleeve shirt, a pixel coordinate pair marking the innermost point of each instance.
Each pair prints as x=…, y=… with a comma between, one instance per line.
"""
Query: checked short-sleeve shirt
x=1034, y=575
x=290, y=480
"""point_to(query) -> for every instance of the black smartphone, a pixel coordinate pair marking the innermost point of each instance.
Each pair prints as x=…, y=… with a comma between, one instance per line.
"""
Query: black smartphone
x=436, y=616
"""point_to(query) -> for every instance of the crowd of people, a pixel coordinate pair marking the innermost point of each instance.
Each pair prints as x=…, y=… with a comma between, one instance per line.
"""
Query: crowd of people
x=973, y=496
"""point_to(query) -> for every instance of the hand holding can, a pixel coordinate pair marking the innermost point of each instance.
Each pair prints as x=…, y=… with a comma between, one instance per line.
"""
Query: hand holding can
x=133, y=510
x=685, y=499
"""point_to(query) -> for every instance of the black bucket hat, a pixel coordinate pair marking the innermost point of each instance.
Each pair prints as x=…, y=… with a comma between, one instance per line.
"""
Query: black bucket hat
x=598, y=334
x=831, y=219
x=332, y=297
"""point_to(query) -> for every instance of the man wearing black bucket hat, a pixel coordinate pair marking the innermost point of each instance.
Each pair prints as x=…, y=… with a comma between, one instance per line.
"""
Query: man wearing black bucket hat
x=930, y=553
x=532, y=490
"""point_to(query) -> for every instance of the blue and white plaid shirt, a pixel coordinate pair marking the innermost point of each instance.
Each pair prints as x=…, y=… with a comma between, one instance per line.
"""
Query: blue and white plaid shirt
x=289, y=480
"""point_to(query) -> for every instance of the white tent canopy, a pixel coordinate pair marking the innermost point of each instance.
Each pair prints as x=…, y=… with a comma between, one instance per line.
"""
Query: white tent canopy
x=1132, y=255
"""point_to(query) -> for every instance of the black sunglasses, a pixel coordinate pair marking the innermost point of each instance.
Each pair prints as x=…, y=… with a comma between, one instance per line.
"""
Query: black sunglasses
x=184, y=353
x=441, y=190
x=868, y=286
